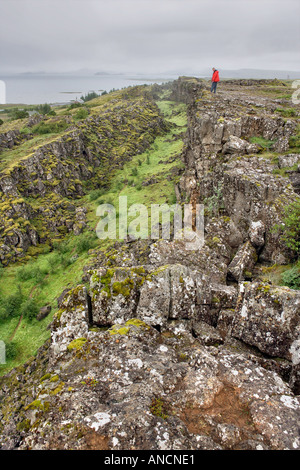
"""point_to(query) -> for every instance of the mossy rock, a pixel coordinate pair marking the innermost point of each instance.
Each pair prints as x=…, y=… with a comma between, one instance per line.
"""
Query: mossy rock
x=132, y=324
x=76, y=344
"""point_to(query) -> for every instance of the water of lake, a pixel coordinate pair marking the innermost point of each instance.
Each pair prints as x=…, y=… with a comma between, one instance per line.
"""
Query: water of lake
x=44, y=88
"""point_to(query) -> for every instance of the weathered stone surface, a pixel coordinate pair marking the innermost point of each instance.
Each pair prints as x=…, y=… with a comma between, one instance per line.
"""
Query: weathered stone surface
x=235, y=145
x=243, y=263
x=289, y=160
x=156, y=351
x=268, y=317
x=134, y=384
x=251, y=193
x=257, y=233
x=44, y=312
x=71, y=321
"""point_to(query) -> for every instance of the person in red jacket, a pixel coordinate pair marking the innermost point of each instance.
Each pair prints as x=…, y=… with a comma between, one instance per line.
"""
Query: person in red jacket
x=215, y=79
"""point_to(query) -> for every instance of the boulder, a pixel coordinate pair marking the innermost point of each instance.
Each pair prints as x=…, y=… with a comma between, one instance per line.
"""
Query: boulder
x=44, y=312
x=257, y=233
x=285, y=161
x=267, y=317
x=235, y=145
x=243, y=263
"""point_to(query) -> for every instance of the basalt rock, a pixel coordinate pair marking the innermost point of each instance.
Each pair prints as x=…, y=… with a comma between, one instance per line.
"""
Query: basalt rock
x=171, y=344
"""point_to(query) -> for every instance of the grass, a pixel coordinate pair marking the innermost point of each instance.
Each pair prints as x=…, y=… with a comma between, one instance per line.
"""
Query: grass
x=156, y=163
x=283, y=275
x=277, y=90
x=264, y=143
x=45, y=289
x=287, y=112
x=127, y=182
x=294, y=141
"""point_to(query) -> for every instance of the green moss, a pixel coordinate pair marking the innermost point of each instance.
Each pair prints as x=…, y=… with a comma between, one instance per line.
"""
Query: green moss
x=24, y=425
x=38, y=405
x=123, y=287
x=183, y=357
x=138, y=323
x=58, y=389
x=55, y=378
x=119, y=330
x=45, y=377
x=124, y=329
x=159, y=408
x=264, y=288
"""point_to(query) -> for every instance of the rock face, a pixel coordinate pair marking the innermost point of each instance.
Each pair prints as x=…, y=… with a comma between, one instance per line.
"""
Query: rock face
x=170, y=348
x=57, y=172
x=268, y=317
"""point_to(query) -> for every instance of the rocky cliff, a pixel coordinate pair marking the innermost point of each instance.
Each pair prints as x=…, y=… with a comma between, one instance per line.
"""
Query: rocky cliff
x=164, y=347
x=40, y=185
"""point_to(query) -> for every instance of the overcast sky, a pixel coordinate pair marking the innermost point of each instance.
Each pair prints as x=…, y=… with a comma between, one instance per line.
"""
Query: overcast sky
x=149, y=36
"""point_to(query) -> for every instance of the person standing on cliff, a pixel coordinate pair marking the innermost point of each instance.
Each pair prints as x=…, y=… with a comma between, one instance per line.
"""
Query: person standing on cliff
x=214, y=81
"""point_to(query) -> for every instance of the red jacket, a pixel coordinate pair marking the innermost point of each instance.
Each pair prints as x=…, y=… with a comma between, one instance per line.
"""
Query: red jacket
x=215, y=77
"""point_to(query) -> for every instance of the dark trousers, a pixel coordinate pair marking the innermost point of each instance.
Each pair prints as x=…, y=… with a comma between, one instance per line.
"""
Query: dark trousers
x=213, y=87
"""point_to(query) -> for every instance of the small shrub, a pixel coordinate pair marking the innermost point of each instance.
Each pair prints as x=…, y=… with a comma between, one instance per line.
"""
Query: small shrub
x=49, y=127
x=134, y=171
x=264, y=143
x=19, y=114
x=81, y=114
x=61, y=247
x=25, y=131
x=75, y=105
x=90, y=96
x=291, y=277
x=1, y=122
x=53, y=261
x=24, y=273
x=30, y=309
x=66, y=260
x=11, y=305
x=11, y=350
x=215, y=202
x=96, y=193
x=294, y=142
x=119, y=185
x=159, y=408
x=86, y=241
x=291, y=227
x=30, y=271
x=43, y=108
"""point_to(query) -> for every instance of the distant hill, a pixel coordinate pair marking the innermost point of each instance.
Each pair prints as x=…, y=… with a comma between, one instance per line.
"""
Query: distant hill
x=257, y=73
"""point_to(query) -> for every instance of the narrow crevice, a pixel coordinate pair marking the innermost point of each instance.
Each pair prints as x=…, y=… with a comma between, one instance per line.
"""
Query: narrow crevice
x=171, y=299
x=90, y=309
x=157, y=327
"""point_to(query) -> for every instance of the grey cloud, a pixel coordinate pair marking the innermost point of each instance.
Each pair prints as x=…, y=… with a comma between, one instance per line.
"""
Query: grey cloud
x=143, y=35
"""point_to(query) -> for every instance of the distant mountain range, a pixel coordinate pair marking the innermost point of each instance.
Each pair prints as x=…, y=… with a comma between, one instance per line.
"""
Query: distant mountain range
x=224, y=73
